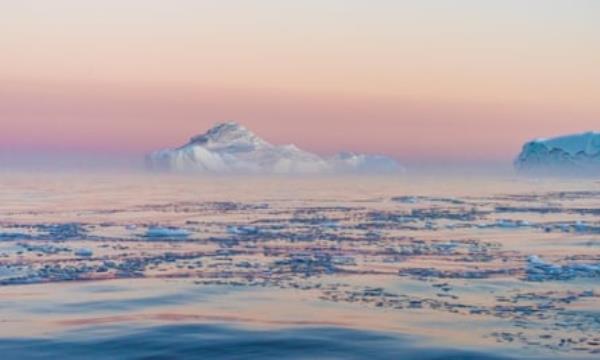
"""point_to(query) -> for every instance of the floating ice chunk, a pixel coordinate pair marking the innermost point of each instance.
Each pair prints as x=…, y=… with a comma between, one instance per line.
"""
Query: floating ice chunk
x=243, y=230
x=44, y=248
x=8, y=272
x=166, y=232
x=406, y=199
x=580, y=226
x=506, y=224
x=343, y=260
x=332, y=224
x=536, y=262
x=13, y=236
x=539, y=270
x=511, y=223
x=63, y=231
x=445, y=247
x=84, y=252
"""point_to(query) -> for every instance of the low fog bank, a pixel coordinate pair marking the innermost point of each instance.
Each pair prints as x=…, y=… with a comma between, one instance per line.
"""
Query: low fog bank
x=461, y=168
x=57, y=162
x=93, y=162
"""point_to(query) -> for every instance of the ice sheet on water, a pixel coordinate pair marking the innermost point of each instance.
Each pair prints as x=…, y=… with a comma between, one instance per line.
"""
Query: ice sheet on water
x=84, y=252
x=166, y=232
x=243, y=230
x=539, y=270
x=13, y=236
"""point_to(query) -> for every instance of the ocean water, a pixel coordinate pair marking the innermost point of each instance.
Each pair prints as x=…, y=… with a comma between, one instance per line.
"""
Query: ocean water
x=141, y=266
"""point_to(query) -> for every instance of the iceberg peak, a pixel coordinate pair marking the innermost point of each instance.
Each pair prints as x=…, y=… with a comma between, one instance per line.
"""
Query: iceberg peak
x=227, y=133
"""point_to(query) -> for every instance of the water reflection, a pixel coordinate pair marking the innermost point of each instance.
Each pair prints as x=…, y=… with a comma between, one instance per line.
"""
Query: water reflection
x=472, y=264
x=212, y=341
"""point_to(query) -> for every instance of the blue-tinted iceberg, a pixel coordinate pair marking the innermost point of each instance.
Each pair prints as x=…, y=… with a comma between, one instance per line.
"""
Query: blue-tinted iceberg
x=577, y=154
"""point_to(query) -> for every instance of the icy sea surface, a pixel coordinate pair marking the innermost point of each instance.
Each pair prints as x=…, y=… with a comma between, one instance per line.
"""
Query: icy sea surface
x=105, y=266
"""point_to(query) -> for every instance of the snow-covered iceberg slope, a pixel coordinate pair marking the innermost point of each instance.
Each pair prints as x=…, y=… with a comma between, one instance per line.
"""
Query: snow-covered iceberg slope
x=231, y=148
x=577, y=154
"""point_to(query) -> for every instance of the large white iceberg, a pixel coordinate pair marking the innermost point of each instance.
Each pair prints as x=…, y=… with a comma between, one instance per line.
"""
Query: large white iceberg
x=577, y=154
x=232, y=148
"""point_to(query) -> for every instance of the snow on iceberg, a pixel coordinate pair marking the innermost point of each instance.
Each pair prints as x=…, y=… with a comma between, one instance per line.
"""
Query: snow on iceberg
x=232, y=148
x=577, y=154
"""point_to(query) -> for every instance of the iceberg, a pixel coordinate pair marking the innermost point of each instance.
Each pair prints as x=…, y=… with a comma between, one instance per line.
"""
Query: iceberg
x=363, y=163
x=577, y=154
x=230, y=148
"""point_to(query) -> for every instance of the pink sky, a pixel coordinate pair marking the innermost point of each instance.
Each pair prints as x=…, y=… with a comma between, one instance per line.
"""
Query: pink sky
x=432, y=81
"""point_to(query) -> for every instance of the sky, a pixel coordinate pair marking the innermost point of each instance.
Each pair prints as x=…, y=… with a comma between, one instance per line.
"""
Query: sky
x=423, y=81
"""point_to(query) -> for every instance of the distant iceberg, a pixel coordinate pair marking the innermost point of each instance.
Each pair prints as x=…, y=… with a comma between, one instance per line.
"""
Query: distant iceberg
x=363, y=163
x=231, y=148
x=577, y=154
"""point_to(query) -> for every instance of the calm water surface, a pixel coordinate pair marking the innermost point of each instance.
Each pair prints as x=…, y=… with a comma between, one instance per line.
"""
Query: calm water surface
x=143, y=266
